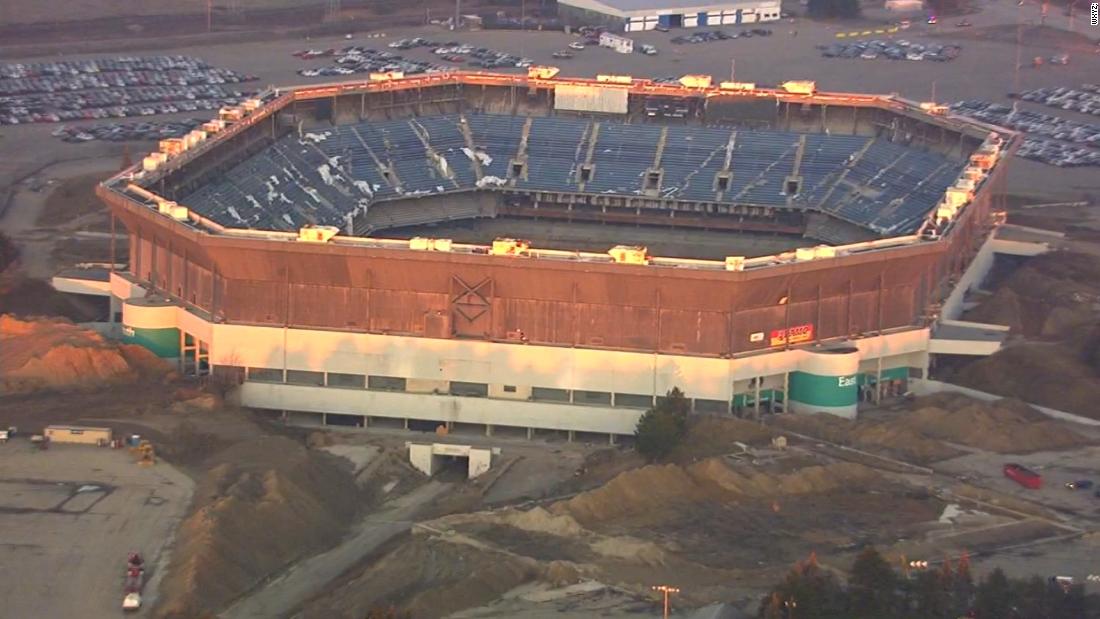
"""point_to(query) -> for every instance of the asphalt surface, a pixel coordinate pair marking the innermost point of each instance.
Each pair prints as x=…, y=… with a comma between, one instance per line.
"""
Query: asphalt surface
x=68, y=518
x=286, y=592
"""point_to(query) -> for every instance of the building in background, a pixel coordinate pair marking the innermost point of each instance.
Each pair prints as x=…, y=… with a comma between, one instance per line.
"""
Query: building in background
x=638, y=15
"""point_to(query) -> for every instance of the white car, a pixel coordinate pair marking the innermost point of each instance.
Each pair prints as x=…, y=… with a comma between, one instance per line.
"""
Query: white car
x=577, y=45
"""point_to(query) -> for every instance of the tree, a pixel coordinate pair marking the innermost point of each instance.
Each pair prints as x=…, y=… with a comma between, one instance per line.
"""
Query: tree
x=662, y=427
x=873, y=587
x=995, y=596
x=815, y=592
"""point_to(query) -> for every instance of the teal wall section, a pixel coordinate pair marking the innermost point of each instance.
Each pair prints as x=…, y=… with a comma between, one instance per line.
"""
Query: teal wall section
x=826, y=391
x=164, y=343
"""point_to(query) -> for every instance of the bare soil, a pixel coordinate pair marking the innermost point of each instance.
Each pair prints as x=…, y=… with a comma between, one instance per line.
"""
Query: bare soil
x=261, y=505
x=56, y=355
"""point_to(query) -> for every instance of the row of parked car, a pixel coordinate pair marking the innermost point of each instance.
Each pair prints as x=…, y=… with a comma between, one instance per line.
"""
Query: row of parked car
x=482, y=57
x=1047, y=135
x=124, y=132
x=706, y=36
x=101, y=65
x=1086, y=100
x=121, y=79
x=891, y=50
x=357, y=59
x=23, y=105
x=23, y=115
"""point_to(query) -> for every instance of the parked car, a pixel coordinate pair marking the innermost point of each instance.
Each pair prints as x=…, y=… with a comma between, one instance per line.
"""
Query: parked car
x=577, y=45
x=1080, y=484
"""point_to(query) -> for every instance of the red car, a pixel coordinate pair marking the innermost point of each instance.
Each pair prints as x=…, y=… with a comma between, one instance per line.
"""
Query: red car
x=1023, y=476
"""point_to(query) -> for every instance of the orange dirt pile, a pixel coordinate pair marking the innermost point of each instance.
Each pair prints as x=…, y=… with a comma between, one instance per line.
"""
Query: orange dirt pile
x=871, y=436
x=644, y=490
x=1043, y=374
x=262, y=505
x=51, y=354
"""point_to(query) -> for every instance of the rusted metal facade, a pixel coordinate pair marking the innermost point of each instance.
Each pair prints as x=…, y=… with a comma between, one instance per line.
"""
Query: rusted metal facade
x=653, y=309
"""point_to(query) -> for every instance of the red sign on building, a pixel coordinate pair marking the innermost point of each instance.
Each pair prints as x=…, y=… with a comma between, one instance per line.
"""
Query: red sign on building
x=793, y=335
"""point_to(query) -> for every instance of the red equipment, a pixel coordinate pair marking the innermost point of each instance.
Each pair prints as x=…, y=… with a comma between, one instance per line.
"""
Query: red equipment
x=1023, y=476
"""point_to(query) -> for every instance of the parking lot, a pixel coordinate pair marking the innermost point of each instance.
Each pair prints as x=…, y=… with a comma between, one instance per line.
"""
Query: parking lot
x=113, y=87
x=69, y=516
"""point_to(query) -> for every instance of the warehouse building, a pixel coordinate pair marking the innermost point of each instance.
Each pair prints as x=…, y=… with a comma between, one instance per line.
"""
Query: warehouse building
x=638, y=15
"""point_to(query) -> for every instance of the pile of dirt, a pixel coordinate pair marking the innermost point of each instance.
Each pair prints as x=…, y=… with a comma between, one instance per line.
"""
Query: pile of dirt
x=430, y=577
x=52, y=354
x=714, y=436
x=1043, y=374
x=871, y=436
x=1003, y=426
x=644, y=490
x=261, y=505
x=1054, y=296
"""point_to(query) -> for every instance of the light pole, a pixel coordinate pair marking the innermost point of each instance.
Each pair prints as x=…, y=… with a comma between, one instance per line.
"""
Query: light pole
x=667, y=591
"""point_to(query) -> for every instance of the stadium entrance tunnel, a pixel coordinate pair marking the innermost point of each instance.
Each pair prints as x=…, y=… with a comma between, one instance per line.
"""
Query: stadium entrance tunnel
x=434, y=458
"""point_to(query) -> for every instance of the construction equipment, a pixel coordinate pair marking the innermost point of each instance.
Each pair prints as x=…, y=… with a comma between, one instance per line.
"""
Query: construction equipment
x=144, y=453
x=134, y=583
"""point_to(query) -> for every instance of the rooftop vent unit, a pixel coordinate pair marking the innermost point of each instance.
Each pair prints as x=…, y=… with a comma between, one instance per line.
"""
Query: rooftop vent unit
x=510, y=247
x=230, y=114
x=317, y=234
x=386, y=76
x=627, y=254
x=800, y=87
x=425, y=244
x=735, y=263
x=696, y=81
x=213, y=126
x=983, y=160
x=542, y=73
x=804, y=254
x=614, y=79
x=172, y=209
x=973, y=173
x=172, y=146
x=946, y=211
x=250, y=105
x=738, y=86
x=824, y=251
x=957, y=196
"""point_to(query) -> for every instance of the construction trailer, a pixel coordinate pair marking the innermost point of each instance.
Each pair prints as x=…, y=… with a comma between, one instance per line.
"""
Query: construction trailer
x=78, y=434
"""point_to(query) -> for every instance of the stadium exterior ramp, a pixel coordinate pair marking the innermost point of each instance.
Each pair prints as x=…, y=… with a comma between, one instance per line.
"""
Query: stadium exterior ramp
x=320, y=324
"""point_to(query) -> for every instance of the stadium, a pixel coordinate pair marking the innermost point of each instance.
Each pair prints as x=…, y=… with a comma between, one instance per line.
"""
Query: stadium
x=524, y=254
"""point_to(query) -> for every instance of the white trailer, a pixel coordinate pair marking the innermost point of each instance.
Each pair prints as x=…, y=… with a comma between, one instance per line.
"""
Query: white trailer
x=620, y=44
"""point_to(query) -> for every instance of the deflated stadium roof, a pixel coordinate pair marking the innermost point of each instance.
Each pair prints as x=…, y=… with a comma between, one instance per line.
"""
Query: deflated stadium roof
x=329, y=176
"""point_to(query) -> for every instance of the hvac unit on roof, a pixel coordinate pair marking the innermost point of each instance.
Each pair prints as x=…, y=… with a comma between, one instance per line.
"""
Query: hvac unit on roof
x=317, y=234
x=824, y=251
x=735, y=263
x=628, y=254
x=803, y=254
x=426, y=244
x=509, y=247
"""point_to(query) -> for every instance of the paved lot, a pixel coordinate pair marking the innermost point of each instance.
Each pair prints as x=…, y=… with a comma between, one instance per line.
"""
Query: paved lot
x=1056, y=467
x=69, y=515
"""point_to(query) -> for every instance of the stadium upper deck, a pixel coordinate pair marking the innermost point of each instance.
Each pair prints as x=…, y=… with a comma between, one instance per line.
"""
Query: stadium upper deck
x=312, y=167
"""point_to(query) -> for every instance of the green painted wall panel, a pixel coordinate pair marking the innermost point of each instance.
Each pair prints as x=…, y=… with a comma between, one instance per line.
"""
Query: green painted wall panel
x=164, y=343
x=832, y=391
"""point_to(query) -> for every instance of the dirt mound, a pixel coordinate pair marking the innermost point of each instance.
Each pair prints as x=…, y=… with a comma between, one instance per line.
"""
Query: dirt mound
x=1004, y=426
x=715, y=436
x=1043, y=374
x=871, y=436
x=51, y=354
x=430, y=578
x=1054, y=295
x=642, y=490
x=262, y=504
